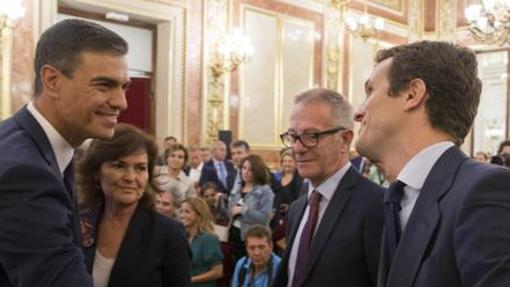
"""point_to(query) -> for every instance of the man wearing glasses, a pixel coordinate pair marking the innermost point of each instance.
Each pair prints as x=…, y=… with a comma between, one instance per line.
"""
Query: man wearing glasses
x=334, y=230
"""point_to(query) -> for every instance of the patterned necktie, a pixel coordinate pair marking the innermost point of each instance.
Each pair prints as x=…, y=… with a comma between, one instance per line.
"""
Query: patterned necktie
x=392, y=219
x=306, y=238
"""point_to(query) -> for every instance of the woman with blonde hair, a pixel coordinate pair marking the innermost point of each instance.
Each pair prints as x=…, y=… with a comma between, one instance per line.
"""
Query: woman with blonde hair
x=207, y=262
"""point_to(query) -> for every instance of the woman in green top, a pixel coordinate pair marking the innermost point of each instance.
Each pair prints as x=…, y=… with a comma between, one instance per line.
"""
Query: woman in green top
x=207, y=263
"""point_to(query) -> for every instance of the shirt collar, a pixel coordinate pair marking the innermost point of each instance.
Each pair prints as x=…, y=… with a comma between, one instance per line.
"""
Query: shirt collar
x=328, y=187
x=63, y=150
x=418, y=168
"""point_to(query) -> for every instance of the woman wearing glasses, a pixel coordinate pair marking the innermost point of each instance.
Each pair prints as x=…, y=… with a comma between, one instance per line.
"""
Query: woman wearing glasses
x=249, y=203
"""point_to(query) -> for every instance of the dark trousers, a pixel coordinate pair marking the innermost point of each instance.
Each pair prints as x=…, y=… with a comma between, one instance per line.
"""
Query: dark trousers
x=236, y=243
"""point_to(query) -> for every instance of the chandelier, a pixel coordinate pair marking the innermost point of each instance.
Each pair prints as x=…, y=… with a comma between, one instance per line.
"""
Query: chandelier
x=229, y=52
x=10, y=10
x=489, y=21
x=364, y=26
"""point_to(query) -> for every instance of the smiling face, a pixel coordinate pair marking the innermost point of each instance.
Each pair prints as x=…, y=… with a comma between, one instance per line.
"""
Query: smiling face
x=123, y=181
x=88, y=103
x=380, y=116
x=175, y=160
x=188, y=216
x=331, y=153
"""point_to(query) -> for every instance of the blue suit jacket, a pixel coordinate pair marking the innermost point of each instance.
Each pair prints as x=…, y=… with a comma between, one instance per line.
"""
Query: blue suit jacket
x=154, y=252
x=345, y=247
x=39, y=230
x=458, y=233
x=209, y=174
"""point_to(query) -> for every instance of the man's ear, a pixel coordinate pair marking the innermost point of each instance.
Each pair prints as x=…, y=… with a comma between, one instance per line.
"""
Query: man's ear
x=51, y=78
x=416, y=94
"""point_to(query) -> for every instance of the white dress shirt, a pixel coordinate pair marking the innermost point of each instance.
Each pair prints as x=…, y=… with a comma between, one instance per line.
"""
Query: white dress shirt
x=327, y=190
x=415, y=173
x=63, y=150
x=194, y=173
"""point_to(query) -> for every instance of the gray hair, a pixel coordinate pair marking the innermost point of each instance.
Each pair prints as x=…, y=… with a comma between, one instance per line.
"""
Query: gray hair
x=341, y=109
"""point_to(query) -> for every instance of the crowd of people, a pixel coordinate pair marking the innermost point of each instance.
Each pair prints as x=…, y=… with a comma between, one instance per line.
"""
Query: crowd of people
x=120, y=213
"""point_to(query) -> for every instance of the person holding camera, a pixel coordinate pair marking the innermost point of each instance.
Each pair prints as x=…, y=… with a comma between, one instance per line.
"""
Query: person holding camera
x=249, y=203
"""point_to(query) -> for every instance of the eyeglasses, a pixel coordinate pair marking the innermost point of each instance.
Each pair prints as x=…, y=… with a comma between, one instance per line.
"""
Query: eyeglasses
x=307, y=139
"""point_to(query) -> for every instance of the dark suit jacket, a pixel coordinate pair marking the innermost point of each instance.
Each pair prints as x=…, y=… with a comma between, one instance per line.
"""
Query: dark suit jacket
x=154, y=252
x=458, y=233
x=345, y=248
x=39, y=231
x=209, y=174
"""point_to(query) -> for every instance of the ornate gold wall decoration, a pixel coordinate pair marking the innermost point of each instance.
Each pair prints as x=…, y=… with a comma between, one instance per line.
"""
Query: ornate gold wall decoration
x=447, y=20
x=334, y=11
x=396, y=5
x=415, y=28
x=333, y=28
x=216, y=24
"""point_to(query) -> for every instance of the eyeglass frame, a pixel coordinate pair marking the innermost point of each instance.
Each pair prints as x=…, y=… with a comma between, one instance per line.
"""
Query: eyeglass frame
x=316, y=135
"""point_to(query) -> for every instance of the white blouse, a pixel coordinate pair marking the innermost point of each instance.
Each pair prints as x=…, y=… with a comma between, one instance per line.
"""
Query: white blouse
x=101, y=270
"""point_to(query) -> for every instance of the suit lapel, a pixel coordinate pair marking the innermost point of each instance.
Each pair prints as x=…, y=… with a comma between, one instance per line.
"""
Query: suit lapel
x=25, y=119
x=293, y=220
x=424, y=219
x=330, y=219
x=131, y=249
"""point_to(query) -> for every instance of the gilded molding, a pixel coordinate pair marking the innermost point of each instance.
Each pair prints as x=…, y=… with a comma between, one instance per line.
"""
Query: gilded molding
x=392, y=4
x=415, y=29
x=447, y=20
x=216, y=22
x=5, y=77
x=333, y=30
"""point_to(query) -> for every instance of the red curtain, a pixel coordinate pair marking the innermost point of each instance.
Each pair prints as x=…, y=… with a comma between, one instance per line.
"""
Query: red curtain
x=138, y=100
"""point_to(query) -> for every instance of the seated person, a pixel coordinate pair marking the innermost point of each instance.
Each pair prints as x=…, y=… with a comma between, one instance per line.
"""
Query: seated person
x=165, y=204
x=217, y=202
x=259, y=268
x=207, y=262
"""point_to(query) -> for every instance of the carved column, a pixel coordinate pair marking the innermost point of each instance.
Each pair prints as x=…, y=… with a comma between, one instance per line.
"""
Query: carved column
x=415, y=28
x=447, y=20
x=216, y=103
x=334, y=11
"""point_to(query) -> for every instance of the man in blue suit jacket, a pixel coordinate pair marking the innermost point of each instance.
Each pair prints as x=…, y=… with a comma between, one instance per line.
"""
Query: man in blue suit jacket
x=218, y=167
x=446, y=216
x=345, y=237
x=81, y=78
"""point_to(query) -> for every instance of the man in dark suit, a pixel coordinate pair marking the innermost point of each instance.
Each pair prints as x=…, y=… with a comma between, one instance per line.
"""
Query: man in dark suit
x=218, y=169
x=446, y=216
x=81, y=78
x=334, y=229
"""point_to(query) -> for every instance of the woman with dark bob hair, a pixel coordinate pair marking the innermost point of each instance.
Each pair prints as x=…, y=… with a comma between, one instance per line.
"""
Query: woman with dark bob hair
x=125, y=242
x=249, y=203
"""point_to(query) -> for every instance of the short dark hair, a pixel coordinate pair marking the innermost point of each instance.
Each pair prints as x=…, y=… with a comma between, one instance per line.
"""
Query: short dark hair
x=241, y=143
x=502, y=145
x=259, y=231
x=175, y=147
x=209, y=185
x=62, y=44
x=259, y=169
x=450, y=73
x=126, y=140
x=170, y=138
